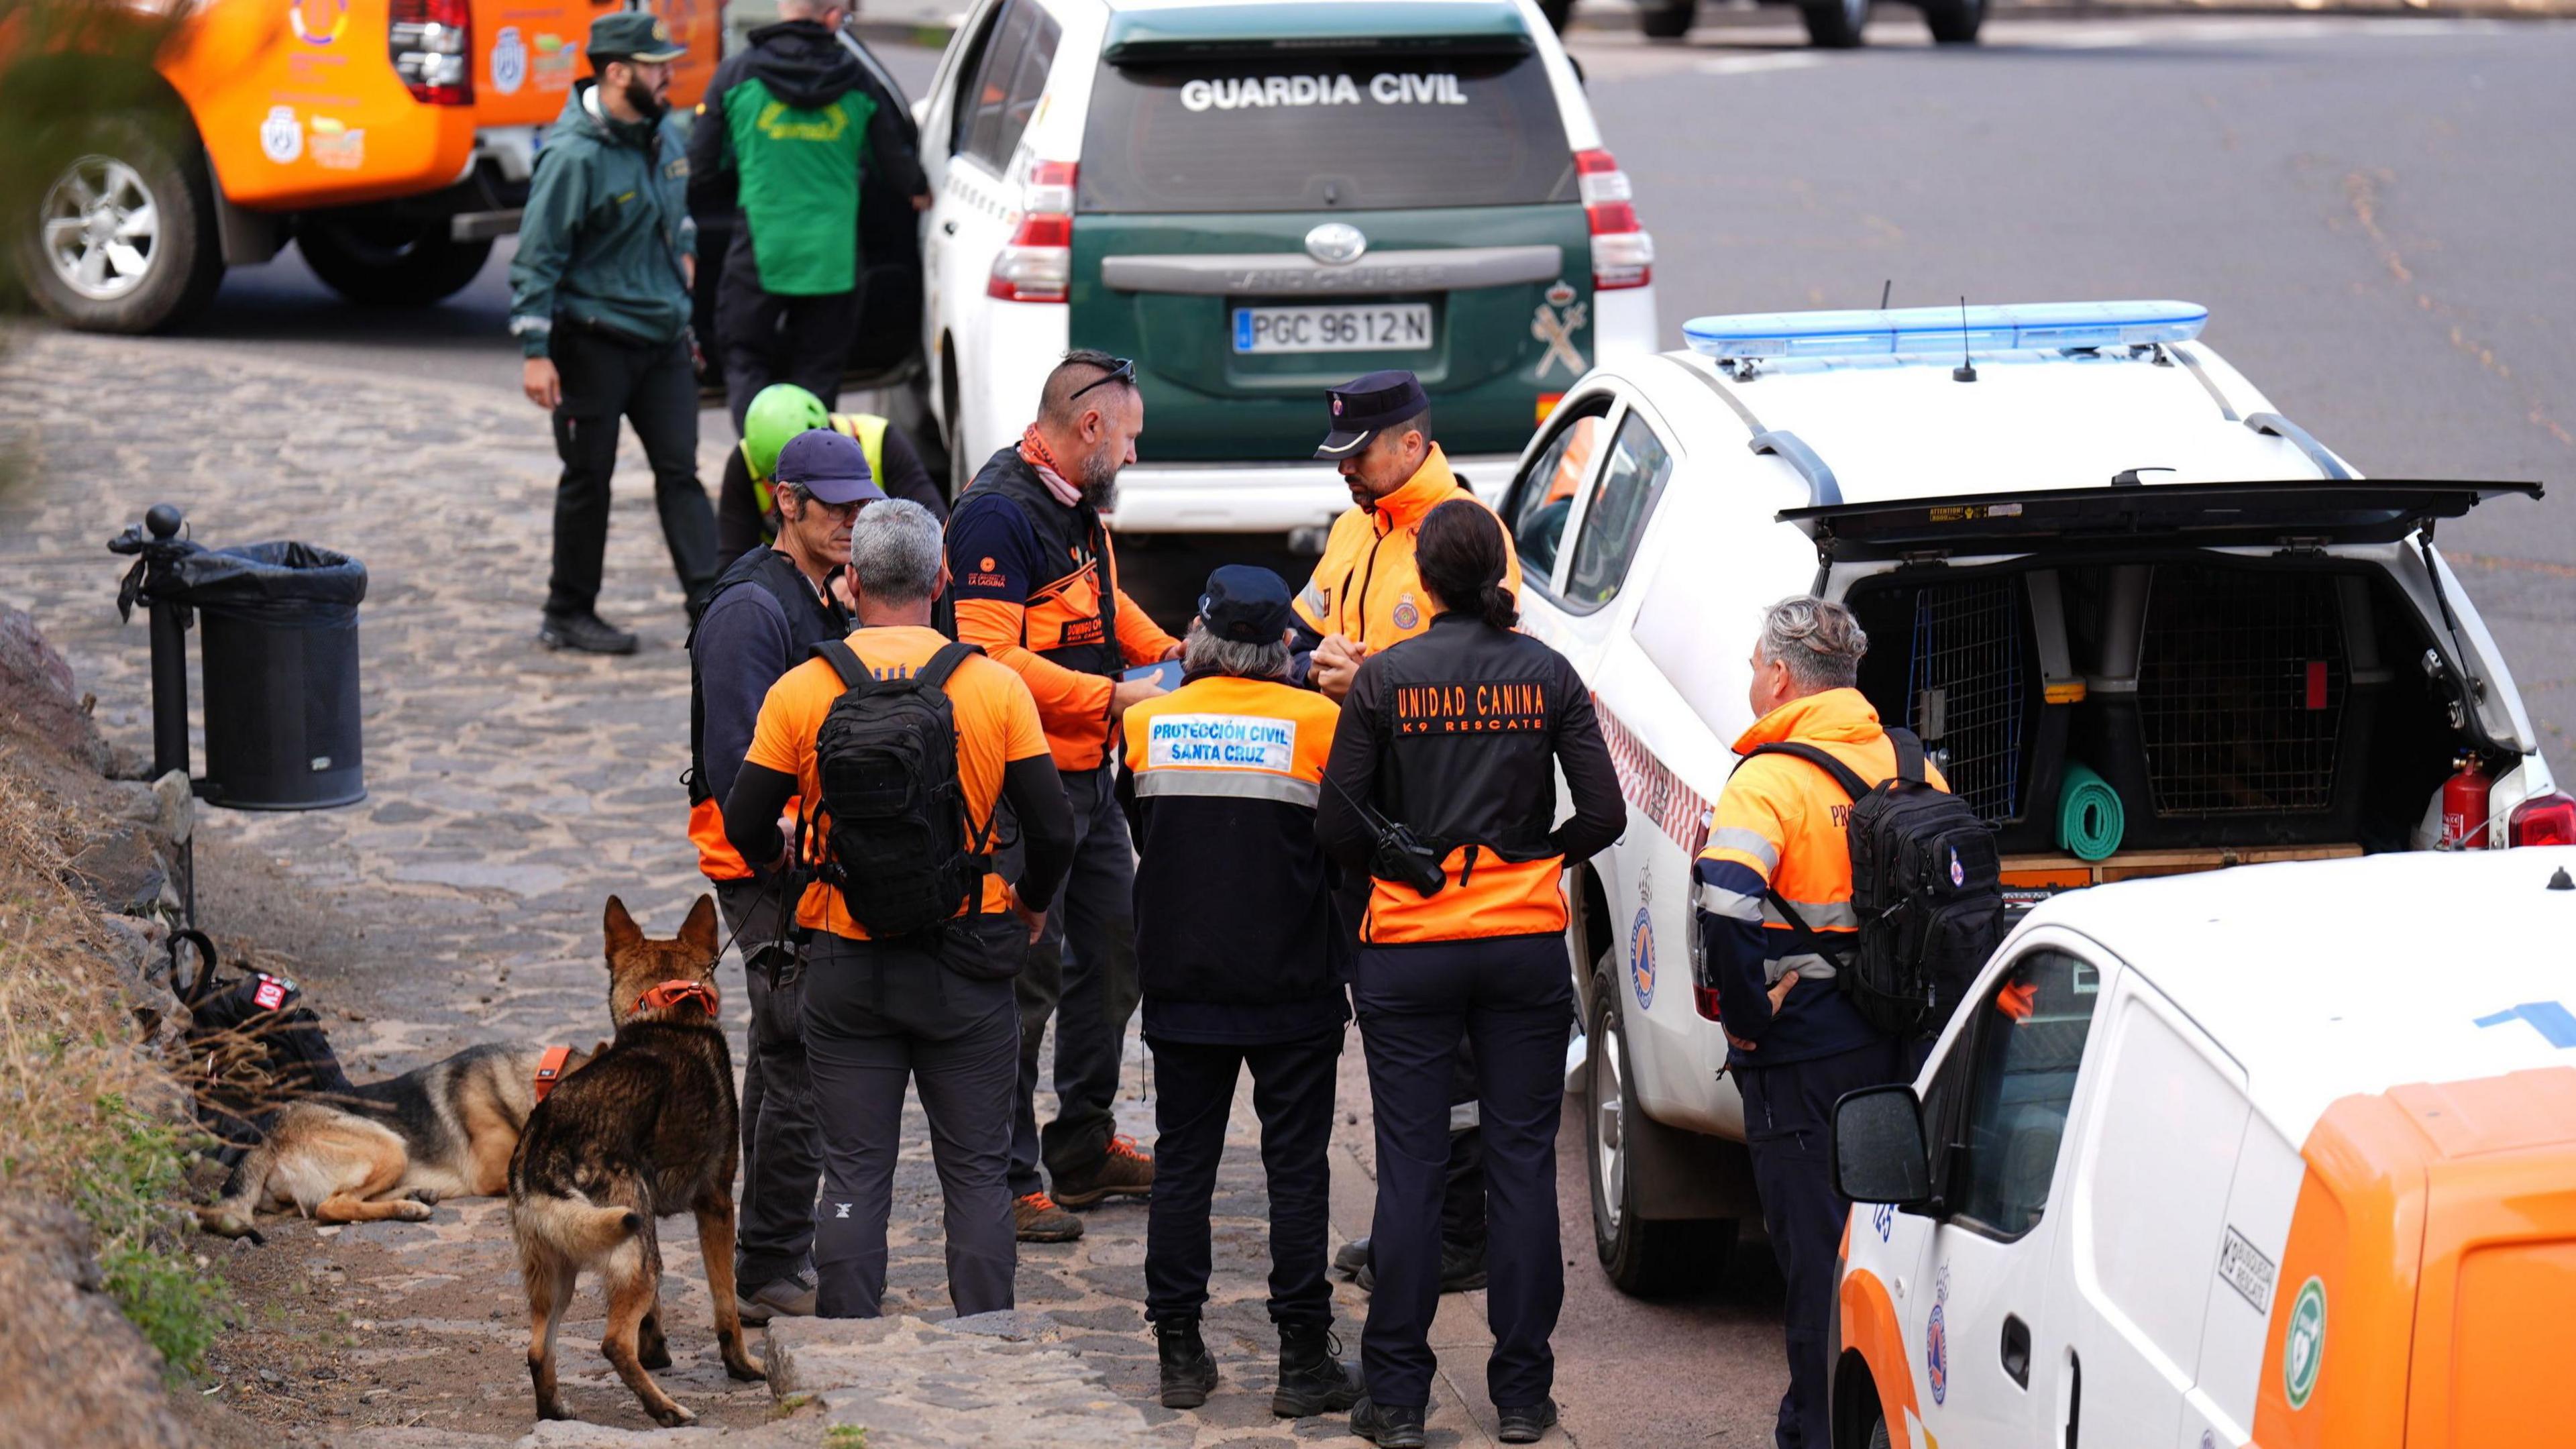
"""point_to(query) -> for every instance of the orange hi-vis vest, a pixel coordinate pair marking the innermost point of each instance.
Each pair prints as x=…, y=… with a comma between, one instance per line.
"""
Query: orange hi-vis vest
x=1366, y=587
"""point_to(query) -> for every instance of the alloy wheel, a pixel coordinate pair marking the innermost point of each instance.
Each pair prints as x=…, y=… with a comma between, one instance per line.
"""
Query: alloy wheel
x=101, y=228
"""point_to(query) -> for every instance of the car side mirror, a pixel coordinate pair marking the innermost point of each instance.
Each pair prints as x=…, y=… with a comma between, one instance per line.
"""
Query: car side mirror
x=1877, y=1147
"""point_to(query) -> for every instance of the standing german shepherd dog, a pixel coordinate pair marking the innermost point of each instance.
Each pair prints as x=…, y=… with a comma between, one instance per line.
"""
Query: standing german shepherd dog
x=648, y=1128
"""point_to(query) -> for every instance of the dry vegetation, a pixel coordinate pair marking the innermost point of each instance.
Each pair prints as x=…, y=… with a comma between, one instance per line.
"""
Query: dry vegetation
x=92, y=1120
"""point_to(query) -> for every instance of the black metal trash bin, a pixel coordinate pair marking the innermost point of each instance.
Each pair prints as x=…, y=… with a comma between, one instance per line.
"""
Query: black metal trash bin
x=281, y=672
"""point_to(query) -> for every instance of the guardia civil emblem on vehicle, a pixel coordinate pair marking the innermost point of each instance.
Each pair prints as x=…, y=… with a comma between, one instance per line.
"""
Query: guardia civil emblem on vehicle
x=1336, y=243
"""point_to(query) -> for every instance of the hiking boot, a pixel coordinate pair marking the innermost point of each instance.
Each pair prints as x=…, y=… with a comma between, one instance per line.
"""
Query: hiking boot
x=586, y=633
x=1386, y=1426
x=1353, y=1257
x=788, y=1297
x=1124, y=1170
x=1037, y=1219
x=1189, y=1370
x=1526, y=1425
x=1462, y=1270
x=1312, y=1379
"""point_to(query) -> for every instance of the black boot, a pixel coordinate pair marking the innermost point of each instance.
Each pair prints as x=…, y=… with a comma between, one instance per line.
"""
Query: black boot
x=1311, y=1379
x=1189, y=1370
x=1388, y=1428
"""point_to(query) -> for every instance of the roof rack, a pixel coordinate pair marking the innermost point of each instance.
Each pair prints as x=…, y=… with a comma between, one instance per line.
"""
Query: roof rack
x=1823, y=489
x=2274, y=425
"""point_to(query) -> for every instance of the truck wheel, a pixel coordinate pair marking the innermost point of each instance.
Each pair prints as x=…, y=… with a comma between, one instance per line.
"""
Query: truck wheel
x=1667, y=19
x=125, y=239
x=1835, y=24
x=389, y=262
x=1954, y=22
x=1557, y=13
x=1644, y=1258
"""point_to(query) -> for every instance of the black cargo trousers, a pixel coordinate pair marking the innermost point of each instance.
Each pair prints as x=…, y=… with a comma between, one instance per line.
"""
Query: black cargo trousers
x=651, y=385
x=782, y=1149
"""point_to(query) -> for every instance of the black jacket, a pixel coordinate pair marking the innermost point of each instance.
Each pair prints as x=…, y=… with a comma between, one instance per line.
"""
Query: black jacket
x=1456, y=733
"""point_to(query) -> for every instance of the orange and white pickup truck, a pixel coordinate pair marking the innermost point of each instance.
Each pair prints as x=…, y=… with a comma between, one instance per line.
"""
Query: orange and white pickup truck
x=390, y=140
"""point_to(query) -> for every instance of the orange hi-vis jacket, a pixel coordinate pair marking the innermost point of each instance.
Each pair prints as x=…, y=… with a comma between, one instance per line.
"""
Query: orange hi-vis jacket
x=1036, y=588
x=1781, y=826
x=1366, y=587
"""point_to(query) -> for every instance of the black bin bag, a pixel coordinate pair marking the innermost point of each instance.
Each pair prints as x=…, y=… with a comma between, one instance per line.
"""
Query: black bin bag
x=281, y=672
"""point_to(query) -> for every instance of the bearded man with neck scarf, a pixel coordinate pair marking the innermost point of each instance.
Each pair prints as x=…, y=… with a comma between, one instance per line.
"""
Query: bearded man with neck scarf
x=1036, y=587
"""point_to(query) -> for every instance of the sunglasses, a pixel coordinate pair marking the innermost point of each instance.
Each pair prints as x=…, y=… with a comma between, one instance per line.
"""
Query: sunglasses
x=1124, y=372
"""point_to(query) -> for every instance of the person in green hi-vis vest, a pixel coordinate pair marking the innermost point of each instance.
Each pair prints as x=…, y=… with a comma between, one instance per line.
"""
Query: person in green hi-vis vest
x=787, y=128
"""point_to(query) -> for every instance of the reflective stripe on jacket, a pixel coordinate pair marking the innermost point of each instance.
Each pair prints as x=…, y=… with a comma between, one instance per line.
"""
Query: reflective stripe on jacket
x=1780, y=826
x=1232, y=903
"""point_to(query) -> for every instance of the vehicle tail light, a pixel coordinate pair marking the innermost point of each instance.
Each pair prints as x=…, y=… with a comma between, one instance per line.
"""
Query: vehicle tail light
x=1036, y=265
x=1623, y=252
x=1705, y=998
x=2543, y=820
x=431, y=42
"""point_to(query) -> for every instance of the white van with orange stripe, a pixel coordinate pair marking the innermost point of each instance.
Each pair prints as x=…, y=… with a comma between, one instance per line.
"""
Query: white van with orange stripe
x=2094, y=555
x=2281, y=1156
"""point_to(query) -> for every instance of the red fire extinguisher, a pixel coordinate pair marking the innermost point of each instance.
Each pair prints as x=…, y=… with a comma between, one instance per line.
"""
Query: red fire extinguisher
x=2464, y=806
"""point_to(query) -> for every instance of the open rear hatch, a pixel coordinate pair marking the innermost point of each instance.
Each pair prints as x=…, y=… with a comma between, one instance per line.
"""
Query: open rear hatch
x=2120, y=701
x=2290, y=513
x=1277, y=197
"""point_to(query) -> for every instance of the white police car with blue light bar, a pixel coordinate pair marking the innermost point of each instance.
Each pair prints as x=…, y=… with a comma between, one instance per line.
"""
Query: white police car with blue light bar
x=2095, y=565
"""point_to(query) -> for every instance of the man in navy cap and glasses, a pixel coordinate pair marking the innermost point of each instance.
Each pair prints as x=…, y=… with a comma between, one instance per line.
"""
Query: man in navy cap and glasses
x=1220, y=788
x=763, y=618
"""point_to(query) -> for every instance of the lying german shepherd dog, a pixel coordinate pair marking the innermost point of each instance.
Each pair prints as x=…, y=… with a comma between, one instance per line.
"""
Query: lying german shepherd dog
x=648, y=1128
x=390, y=1149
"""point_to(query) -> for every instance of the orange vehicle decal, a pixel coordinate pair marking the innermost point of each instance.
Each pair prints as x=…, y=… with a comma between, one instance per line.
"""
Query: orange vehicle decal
x=2430, y=1270
x=1870, y=1329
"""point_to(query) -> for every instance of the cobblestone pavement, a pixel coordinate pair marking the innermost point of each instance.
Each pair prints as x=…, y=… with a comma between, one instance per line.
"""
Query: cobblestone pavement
x=511, y=790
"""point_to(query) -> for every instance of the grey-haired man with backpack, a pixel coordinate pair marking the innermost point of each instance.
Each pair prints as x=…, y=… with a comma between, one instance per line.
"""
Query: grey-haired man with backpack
x=1815, y=1003
x=901, y=746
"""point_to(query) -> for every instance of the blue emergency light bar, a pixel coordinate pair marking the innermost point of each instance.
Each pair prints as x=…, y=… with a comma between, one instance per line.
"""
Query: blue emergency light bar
x=1901, y=331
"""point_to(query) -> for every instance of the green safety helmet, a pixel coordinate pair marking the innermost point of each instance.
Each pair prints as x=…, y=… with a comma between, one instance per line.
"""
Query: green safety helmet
x=778, y=413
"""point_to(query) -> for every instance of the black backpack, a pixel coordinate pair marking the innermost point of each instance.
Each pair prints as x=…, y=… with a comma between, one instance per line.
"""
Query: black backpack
x=887, y=754
x=1927, y=885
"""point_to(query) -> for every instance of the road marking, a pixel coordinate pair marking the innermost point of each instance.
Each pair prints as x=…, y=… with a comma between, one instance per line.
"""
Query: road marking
x=1755, y=64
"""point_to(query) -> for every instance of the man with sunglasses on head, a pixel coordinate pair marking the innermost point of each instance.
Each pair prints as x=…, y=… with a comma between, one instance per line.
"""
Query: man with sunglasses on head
x=763, y=618
x=1036, y=587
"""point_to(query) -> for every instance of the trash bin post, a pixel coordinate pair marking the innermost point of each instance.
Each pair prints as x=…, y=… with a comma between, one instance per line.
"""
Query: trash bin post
x=169, y=628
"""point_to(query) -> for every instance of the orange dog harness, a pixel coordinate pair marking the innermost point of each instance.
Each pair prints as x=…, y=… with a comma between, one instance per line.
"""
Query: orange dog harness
x=550, y=1069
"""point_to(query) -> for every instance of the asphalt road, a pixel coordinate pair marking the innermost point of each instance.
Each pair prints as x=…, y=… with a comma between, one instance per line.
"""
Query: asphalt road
x=2375, y=211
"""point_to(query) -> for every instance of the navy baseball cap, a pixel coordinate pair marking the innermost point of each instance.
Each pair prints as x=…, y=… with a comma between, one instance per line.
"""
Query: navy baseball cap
x=1363, y=405
x=1246, y=602
x=831, y=466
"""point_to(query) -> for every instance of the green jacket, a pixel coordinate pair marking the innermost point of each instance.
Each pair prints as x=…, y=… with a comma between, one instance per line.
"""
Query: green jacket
x=605, y=229
x=788, y=127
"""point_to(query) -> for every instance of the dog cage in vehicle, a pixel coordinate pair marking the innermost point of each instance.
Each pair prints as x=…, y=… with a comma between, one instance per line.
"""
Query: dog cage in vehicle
x=2242, y=684
x=1965, y=693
